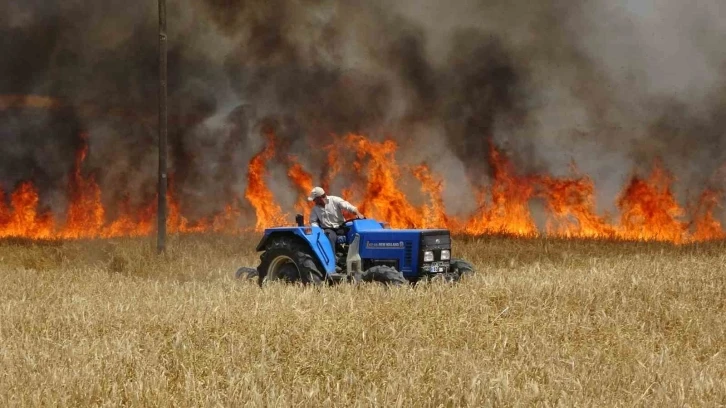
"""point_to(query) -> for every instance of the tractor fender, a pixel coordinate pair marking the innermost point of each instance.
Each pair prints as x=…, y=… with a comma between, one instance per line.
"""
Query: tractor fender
x=315, y=240
x=263, y=242
x=270, y=235
x=274, y=233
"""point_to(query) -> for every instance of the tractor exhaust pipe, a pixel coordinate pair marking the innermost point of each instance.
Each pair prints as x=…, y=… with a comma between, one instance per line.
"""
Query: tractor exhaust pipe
x=353, y=260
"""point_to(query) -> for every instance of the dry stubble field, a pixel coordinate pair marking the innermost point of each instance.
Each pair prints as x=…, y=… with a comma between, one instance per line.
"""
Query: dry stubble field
x=545, y=322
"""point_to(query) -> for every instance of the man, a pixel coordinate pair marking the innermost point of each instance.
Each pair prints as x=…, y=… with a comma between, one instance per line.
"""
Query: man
x=328, y=213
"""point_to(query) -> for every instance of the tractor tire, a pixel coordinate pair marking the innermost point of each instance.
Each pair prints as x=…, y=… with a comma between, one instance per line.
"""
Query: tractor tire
x=246, y=273
x=384, y=274
x=288, y=260
x=462, y=268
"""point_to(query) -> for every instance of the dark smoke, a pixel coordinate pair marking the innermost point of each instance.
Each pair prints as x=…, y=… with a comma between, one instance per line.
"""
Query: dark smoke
x=548, y=82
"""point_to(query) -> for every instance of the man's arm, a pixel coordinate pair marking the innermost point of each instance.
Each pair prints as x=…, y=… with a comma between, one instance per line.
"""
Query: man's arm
x=314, y=220
x=349, y=207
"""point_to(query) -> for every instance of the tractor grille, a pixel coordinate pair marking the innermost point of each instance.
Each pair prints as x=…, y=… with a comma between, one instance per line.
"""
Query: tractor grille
x=440, y=240
x=407, y=254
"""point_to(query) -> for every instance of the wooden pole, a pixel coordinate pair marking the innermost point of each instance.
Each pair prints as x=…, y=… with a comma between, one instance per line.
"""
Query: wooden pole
x=161, y=216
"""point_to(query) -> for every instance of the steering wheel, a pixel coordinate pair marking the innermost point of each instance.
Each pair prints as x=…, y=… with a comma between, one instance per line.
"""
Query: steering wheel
x=349, y=222
x=353, y=219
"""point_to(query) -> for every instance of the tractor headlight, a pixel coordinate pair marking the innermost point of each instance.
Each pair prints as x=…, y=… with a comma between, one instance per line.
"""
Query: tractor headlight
x=445, y=254
x=428, y=256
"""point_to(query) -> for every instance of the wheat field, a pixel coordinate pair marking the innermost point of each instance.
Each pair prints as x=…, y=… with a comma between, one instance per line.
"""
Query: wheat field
x=543, y=323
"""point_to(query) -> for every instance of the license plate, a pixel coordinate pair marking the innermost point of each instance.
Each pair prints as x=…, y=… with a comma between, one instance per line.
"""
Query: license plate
x=434, y=268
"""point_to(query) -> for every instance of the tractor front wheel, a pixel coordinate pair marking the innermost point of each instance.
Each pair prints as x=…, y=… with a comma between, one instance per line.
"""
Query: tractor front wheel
x=288, y=260
x=462, y=269
x=384, y=274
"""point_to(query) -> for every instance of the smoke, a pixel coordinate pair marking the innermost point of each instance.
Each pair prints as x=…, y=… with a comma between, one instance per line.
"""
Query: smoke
x=612, y=85
x=665, y=75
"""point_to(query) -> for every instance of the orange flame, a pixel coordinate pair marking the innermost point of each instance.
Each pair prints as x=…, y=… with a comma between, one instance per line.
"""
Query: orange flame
x=434, y=215
x=707, y=227
x=85, y=216
x=257, y=193
x=4, y=210
x=648, y=208
x=23, y=220
x=571, y=208
x=127, y=225
x=303, y=181
x=508, y=211
x=333, y=167
x=381, y=197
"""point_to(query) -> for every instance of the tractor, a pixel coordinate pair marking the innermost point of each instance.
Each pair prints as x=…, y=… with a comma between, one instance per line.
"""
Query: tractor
x=368, y=251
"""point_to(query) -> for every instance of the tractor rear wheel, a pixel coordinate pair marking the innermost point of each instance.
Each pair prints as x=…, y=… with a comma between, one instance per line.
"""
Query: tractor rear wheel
x=384, y=274
x=288, y=260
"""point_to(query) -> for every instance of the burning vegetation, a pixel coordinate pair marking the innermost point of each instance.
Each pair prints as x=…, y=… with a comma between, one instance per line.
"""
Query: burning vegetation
x=648, y=208
x=473, y=98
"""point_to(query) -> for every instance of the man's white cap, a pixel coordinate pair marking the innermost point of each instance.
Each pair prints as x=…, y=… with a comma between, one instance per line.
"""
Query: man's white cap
x=315, y=193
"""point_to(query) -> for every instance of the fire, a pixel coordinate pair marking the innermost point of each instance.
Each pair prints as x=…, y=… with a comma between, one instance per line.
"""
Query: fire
x=227, y=221
x=707, y=227
x=508, y=211
x=303, y=181
x=23, y=219
x=4, y=211
x=333, y=167
x=434, y=215
x=127, y=225
x=381, y=188
x=381, y=197
x=571, y=208
x=259, y=195
x=86, y=213
x=650, y=211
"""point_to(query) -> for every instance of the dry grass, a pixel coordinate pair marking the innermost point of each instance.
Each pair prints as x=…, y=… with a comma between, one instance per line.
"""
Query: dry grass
x=543, y=323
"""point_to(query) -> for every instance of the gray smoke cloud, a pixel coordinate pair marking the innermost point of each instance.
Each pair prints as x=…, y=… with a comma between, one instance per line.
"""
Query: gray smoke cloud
x=609, y=84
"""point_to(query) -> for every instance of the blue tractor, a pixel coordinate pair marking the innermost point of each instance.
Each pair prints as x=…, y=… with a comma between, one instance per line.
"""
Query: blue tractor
x=368, y=251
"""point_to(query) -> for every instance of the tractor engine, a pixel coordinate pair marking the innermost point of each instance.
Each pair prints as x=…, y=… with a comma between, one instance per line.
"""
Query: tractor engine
x=413, y=252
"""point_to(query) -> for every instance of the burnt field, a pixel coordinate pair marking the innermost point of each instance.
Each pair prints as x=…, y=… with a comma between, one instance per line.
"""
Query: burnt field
x=544, y=321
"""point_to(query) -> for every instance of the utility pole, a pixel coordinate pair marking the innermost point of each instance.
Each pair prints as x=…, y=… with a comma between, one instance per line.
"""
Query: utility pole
x=161, y=215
